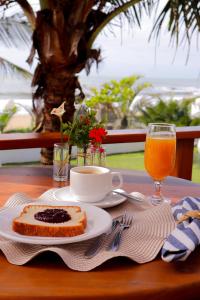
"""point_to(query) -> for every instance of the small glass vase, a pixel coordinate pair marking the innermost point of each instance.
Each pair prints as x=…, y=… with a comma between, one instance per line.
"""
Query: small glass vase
x=98, y=156
x=84, y=156
x=91, y=156
x=61, y=162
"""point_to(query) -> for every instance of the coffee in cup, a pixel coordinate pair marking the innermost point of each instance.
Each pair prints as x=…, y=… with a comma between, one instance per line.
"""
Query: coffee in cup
x=92, y=183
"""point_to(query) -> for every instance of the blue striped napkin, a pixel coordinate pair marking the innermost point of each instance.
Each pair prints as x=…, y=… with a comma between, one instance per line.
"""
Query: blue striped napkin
x=186, y=236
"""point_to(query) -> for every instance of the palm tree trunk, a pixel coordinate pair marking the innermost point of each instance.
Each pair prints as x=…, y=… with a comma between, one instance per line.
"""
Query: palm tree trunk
x=55, y=76
x=59, y=87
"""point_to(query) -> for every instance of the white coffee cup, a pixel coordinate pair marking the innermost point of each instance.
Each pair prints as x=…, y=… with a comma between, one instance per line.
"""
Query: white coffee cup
x=92, y=183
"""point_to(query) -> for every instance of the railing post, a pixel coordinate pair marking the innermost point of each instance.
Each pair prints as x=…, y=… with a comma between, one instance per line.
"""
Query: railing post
x=184, y=159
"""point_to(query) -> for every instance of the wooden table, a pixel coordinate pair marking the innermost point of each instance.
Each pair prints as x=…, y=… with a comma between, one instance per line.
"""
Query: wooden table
x=47, y=277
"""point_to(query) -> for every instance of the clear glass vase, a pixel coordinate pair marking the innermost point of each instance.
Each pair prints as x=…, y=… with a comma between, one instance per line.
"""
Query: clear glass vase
x=61, y=162
x=91, y=156
x=84, y=156
x=98, y=156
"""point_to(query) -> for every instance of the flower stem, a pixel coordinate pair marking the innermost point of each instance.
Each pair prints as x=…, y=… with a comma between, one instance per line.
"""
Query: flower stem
x=61, y=130
x=84, y=154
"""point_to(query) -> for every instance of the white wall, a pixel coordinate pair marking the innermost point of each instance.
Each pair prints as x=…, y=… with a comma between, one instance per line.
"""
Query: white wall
x=21, y=155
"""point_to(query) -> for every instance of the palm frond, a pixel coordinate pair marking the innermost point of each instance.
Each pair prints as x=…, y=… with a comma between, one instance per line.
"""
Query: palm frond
x=15, y=32
x=183, y=20
x=10, y=69
x=131, y=11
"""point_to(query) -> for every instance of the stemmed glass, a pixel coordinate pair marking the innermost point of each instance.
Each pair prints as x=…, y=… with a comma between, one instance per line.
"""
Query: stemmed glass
x=160, y=154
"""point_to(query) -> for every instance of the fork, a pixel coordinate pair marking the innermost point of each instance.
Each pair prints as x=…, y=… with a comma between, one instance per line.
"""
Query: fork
x=96, y=245
x=125, y=223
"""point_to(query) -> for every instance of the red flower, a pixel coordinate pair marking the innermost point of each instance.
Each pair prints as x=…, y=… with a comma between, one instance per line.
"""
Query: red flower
x=101, y=150
x=96, y=135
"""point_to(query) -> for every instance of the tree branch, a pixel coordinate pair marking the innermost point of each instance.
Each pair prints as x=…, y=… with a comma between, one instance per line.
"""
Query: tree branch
x=28, y=11
x=109, y=17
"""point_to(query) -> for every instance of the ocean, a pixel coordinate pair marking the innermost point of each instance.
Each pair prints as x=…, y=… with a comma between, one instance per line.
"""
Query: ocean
x=20, y=91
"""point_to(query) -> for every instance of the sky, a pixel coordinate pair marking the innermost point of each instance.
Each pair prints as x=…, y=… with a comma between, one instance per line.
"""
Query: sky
x=128, y=52
x=133, y=53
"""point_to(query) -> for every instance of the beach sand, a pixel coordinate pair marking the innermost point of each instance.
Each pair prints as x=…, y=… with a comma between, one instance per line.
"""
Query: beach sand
x=19, y=121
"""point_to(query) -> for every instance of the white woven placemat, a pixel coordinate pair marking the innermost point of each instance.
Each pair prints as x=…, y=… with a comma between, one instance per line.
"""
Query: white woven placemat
x=141, y=242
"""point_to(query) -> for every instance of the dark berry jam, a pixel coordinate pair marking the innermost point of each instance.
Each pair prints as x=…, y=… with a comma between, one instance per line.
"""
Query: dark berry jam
x=54, y=215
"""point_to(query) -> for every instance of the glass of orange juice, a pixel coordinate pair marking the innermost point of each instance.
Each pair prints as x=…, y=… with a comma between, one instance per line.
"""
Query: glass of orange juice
x=159, y=156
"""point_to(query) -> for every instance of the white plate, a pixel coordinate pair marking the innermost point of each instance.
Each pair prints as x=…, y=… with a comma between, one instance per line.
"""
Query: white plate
x=112, y=199
x=98, y=222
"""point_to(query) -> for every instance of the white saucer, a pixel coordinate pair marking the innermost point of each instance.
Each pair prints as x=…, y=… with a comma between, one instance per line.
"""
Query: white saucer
x=112, y=199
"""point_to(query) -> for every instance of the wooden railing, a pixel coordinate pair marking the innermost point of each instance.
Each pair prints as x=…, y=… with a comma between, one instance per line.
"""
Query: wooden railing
x=185, y=144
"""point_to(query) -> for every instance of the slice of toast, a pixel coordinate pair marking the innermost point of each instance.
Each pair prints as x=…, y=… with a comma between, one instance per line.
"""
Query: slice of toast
x=28, y=224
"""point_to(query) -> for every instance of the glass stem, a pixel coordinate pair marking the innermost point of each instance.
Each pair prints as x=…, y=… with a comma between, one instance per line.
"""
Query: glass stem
x=158, y=186
x=157, y=197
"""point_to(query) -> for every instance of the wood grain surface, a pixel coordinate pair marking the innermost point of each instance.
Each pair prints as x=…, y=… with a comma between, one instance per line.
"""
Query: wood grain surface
x=47, y=277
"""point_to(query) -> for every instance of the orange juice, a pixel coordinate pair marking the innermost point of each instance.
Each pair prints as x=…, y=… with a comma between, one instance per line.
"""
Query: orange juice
x=159, y=156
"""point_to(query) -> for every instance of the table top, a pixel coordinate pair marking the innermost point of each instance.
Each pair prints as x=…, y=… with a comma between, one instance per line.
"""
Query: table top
x=120, y=278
